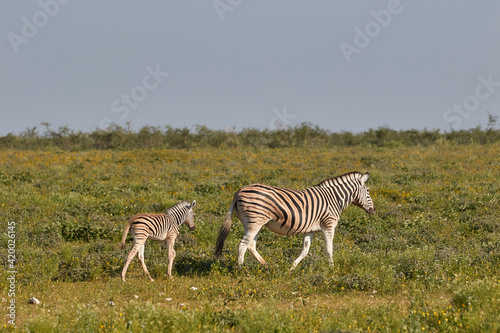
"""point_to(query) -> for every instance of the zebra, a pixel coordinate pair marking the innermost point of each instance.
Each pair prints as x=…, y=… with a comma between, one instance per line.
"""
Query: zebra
x=163, y=227
x=294, y=212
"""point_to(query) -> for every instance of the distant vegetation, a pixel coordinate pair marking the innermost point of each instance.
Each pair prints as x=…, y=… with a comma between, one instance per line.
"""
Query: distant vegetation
x=303, y=135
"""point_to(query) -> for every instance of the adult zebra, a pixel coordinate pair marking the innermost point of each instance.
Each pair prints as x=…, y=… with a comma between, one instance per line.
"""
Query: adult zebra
x=162, y=227
x=293, y=212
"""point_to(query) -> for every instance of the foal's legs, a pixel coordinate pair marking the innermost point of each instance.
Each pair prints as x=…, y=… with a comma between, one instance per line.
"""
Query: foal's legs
x=135, y=249
x=170, y=241
x=141, y=259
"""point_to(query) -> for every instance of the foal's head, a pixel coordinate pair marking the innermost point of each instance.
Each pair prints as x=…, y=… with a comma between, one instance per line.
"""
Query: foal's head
x=189, y=220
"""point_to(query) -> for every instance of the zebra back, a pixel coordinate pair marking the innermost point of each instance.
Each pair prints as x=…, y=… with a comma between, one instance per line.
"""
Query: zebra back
x=300, y=211
x=157, y=226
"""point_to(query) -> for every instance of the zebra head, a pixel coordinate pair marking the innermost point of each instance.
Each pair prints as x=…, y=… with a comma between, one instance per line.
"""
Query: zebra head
x=189, y=217
x=362, y=195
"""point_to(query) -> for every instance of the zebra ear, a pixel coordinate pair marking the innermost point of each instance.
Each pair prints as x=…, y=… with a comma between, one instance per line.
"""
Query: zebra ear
x=193, y=204
x=365, y=177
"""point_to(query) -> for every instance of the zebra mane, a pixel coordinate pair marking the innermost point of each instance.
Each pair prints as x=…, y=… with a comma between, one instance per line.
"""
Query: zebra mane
x=177, y=207
x=342, y=179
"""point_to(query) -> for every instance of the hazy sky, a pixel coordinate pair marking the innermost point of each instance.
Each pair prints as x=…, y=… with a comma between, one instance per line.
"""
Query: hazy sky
x=344, y=65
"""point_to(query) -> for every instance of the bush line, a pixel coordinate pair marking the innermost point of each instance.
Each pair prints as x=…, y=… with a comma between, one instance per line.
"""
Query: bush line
x=303, y=135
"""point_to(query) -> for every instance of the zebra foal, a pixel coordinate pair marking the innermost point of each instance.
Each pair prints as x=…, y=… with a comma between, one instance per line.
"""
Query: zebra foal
x=294, y=212
x=161, y=227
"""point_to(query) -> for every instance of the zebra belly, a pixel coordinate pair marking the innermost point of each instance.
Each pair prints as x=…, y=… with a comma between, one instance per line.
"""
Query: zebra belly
x=280, y=229
x=157, y=238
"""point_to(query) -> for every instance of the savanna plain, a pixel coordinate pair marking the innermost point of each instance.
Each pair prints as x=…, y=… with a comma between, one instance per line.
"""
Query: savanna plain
x=428, y=260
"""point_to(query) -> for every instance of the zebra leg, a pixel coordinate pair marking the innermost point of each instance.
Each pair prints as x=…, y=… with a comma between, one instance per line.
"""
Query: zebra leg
x=253, y=250
x=329, y=244
x=306, y=244
x=131, y=255
x=170, y=241
x=249, y=237
x=140, y=255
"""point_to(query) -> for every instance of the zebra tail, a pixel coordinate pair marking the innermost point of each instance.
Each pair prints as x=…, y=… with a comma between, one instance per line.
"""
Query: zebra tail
x=224, y=230
x=125, y=232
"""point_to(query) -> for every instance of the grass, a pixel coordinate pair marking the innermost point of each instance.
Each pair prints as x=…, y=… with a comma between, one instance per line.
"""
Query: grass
x=429, y=260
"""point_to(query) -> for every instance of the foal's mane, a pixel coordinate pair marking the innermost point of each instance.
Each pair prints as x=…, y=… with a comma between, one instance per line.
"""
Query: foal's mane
x=178, y=206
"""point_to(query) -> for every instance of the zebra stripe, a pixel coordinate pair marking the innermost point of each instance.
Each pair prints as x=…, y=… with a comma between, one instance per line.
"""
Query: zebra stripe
x=161, y=227
x=294, y=212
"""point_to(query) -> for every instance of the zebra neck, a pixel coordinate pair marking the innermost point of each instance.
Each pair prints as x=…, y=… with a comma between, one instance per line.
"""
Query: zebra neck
x=341, y=196
x=178, y=218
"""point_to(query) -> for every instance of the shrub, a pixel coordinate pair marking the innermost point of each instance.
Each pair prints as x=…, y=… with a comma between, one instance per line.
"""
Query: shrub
x=302, y=135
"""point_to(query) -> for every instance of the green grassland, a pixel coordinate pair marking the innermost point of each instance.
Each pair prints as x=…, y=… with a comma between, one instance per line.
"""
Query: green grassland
x=428, y=260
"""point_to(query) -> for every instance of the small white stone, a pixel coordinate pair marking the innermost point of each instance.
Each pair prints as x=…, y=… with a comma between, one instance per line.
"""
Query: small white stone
x=33, y=300
x=193, y=288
